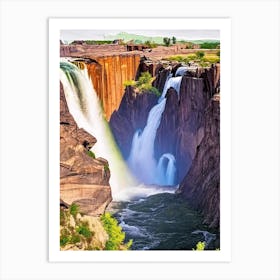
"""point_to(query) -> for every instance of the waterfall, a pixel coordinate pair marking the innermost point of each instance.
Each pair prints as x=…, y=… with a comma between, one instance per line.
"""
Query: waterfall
x=174, y=82
x=166, y=169
x=141, y=160
x=85, y=108
x=181, y=71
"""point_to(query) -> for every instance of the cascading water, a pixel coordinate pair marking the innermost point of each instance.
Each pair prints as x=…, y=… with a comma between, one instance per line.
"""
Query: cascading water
x=181, y=71
x=85, y=107
x=141, y=159
x=171, y=82
x=166, y=169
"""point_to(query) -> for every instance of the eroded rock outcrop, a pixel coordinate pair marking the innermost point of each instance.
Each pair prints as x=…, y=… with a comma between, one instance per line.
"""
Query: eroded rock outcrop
x=84, y=180
x=201, y=186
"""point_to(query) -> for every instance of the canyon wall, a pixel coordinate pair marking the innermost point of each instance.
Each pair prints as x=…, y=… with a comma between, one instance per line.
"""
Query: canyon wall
x=108, y=74
x=84, y=180
x=201, y=186
x=109, y=66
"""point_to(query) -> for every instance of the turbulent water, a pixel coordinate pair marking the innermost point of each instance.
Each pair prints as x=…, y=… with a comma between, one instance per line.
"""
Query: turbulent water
x=162, y=222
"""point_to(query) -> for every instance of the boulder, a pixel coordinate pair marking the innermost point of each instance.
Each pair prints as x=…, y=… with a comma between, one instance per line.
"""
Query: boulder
x=91, y=199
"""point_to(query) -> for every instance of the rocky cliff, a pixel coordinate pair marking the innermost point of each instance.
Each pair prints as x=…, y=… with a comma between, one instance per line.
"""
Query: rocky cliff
x=201, y=186
x=181, y=127
x=131, y=115
x=109, y=66
x=84, y=180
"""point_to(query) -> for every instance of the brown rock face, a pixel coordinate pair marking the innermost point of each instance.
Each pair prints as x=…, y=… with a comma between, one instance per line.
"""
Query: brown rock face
x=131, y=115
x=161, y=77
x=201, y=186
x=81, y=177
x=108, y=75
x=109, y=66
x=92, y=199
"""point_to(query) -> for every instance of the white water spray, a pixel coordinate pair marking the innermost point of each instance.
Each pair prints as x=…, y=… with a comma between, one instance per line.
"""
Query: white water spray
x=141, y=159
x=85, y=107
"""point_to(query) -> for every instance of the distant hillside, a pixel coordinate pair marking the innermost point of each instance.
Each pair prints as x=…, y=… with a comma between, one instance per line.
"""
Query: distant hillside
x=204, y=41
x=139, y=39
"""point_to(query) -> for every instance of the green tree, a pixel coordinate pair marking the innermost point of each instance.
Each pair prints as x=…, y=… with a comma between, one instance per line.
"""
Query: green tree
x=174, y=40
x=199, y=54
x=116, y=235
x=166, y=41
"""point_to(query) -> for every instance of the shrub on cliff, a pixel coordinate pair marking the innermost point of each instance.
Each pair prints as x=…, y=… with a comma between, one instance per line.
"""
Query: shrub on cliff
x=76, y=233
x=91, y=154
x=129, y=83
x=74, y=209
x=200, y=246
x=116, y=235
x=144, y=84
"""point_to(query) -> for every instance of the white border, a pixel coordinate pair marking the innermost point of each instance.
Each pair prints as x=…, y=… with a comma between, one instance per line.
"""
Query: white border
x=222, y=24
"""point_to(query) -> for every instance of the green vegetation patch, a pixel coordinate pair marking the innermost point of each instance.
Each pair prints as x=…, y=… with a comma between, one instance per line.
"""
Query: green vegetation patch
x=116, y=235
x=91, y=154
x=106, y=168
x=84, y=230
x=73, y=233
x=144, y=84
x=210, y=45
x=74, y=209
x=200, y=246
x=98, y=42
x=200, y=57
